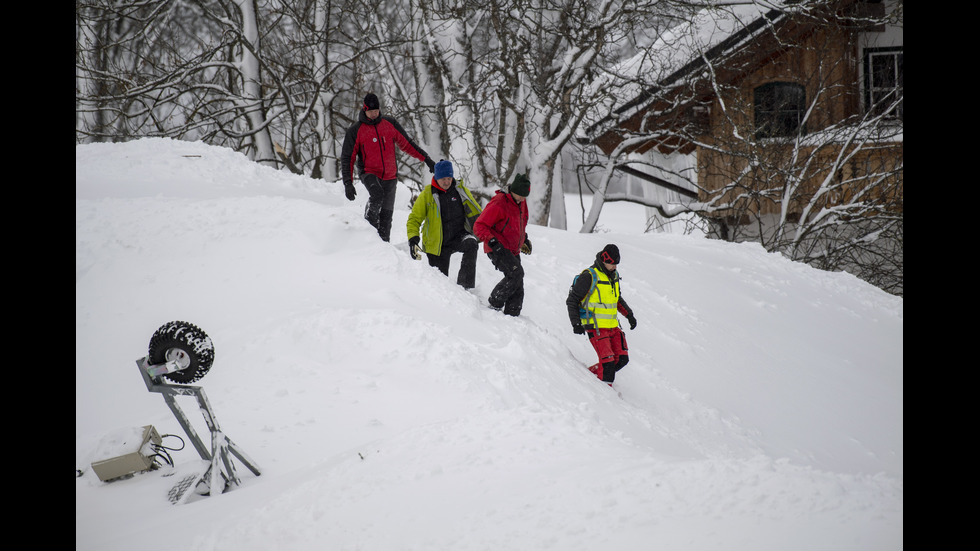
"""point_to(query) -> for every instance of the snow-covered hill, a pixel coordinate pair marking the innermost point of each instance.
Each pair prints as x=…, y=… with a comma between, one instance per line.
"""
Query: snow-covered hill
x=389, y=409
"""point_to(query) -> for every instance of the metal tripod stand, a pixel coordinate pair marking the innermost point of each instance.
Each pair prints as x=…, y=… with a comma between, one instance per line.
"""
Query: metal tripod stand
x=220, y=475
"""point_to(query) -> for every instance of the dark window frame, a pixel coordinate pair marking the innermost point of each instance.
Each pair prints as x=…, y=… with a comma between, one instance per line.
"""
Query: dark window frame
x=884, y=76
x=779, y=109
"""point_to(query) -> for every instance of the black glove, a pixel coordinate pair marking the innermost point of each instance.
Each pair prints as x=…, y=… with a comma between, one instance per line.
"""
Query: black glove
x=349, y=191
x=412, y=243
x=431, y=164
x=494, y=244
x=632, y=321
x=578, y=329
x=526, y=247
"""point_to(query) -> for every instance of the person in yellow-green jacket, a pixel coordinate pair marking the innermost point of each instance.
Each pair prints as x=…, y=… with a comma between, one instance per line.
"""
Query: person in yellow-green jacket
x=444, y=214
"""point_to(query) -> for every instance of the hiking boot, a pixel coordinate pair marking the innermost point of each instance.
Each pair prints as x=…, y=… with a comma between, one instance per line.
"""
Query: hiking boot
x=596, y=370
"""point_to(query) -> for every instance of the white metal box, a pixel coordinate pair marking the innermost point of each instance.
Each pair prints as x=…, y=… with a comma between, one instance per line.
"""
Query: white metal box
x=125, y=452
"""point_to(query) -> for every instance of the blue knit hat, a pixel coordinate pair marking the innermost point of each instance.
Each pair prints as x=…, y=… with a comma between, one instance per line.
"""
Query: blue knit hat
x=444, y=169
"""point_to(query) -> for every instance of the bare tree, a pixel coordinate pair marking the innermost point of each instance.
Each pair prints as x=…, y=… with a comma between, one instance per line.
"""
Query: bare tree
x=166, y=68
x=220, y=71
x=120, y=92
x=320, y=58
x=499, y=86
x=554, y=54
x=789, y=153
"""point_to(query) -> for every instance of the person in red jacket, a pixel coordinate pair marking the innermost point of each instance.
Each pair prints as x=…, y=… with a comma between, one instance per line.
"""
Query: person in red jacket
x=370, y=144
x=502, y=228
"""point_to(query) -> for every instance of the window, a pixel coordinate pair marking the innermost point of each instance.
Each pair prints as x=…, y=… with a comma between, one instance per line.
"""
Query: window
x=884, y=82
x=779, y=109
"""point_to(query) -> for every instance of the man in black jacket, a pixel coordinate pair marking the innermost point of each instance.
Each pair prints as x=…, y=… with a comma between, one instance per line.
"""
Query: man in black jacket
x=370, y=144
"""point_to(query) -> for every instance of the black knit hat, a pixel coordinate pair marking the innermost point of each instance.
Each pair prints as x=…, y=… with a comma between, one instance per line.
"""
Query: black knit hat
x=371, y=102
x=609, y=254
x=521, y=185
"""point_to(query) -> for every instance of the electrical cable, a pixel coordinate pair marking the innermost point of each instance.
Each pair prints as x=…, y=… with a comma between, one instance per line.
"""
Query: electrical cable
x=163, y=452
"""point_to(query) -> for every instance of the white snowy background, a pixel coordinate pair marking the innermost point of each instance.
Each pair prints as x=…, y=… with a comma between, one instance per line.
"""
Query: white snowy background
x=389, y=409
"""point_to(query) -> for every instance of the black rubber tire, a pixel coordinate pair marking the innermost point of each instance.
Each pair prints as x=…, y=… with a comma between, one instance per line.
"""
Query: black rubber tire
x=185, y=343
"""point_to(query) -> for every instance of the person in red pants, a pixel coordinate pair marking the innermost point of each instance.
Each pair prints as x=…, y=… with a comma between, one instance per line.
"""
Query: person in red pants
x=594, y=304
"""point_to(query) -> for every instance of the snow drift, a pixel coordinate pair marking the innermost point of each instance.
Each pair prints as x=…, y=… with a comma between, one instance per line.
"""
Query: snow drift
x=390, y=409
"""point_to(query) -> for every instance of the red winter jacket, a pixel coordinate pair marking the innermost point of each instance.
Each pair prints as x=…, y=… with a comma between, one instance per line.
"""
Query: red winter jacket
x=505, y=219
x=371, y=144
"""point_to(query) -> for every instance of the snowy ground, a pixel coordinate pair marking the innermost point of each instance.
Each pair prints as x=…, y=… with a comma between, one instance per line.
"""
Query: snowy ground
x=389, y=409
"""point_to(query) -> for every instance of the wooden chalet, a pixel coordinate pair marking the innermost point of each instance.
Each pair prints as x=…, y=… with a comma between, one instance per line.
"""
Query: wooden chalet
x=802, y=80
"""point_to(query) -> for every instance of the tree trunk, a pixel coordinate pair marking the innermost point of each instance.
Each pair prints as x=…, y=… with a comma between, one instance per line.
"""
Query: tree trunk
x=252, y=92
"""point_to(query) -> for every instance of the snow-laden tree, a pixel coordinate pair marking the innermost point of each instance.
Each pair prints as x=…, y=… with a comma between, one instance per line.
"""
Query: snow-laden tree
x=120, y=91
x=168, y=68
x=472, y=78
x=321, y=57
x=562, y=73
x=497, y=86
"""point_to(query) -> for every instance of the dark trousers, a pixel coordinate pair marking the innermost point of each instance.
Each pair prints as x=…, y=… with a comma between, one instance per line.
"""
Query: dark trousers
x=509, y=293
x=381, y=203
x=469, y=246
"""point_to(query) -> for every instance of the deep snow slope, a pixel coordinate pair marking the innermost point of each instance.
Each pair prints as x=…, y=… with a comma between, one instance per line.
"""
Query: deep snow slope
x=390, y=409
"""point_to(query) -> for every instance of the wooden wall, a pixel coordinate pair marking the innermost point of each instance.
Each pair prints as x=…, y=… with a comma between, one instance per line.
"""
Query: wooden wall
x=757, y=172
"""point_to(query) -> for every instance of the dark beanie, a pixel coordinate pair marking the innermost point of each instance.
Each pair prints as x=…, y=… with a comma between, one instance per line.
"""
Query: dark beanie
x=371, y=102
x=521, y=185
x=610, y=254
x=443, y=169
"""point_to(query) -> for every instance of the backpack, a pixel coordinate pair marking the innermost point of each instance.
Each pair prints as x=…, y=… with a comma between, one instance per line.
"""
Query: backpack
x=582, y=313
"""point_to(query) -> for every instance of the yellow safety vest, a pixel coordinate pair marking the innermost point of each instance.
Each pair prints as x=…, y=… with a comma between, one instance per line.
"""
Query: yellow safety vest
x=601, y=306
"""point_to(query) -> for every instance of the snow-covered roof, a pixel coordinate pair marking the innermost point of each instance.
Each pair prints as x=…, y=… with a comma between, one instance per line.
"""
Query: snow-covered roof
x=682, y=50
x=710, y=34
